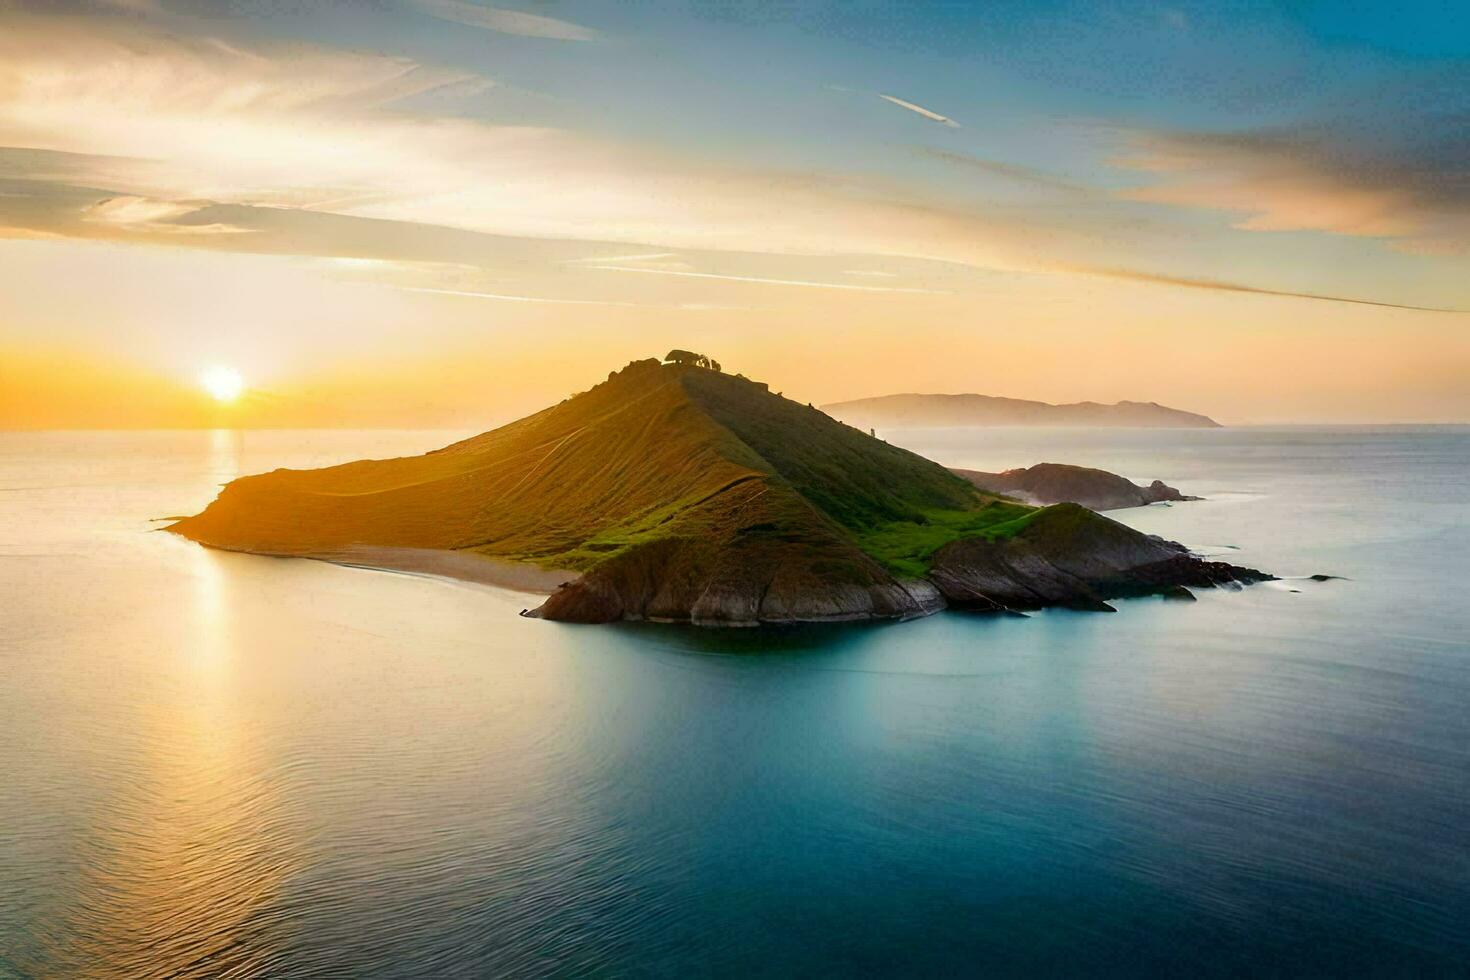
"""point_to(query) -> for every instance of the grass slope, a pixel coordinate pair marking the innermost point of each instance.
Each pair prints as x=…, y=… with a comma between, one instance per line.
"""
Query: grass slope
x=657, y=452
x=899, y=506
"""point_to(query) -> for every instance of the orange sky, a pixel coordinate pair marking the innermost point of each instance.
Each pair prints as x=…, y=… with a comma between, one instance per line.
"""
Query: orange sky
x=1241, y=359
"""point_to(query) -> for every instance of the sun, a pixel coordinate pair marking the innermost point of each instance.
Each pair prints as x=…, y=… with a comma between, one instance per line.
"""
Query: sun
x=224, y=384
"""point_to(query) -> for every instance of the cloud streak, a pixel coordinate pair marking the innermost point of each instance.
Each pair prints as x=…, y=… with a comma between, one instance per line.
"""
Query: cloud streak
x=1008, y=171
x=514, y=298
x=635, y=257
x=141, y=214
x=1411, y=190
x=772, y=282
x=505, y=21
x=929, y=114
x=1218, y=285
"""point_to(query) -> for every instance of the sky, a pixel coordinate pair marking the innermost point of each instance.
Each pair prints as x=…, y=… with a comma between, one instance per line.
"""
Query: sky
x=447, y=213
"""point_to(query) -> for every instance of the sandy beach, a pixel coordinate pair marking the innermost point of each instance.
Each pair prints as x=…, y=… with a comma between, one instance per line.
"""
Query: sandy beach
x=463, y=566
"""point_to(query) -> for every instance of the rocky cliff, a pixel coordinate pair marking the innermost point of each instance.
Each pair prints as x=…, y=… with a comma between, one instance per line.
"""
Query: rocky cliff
x=1071, y=556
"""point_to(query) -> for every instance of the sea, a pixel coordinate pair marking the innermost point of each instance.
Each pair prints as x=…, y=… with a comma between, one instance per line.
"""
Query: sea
x=223, y=765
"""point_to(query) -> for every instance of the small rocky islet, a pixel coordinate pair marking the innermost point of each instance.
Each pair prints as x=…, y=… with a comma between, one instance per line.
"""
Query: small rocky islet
x=1055, y=483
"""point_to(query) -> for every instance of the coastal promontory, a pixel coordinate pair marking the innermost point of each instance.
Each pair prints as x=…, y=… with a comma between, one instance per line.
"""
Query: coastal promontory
x=674, y=491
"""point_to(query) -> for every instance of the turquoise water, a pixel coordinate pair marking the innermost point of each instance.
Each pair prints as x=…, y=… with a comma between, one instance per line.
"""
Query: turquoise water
x=225, y=765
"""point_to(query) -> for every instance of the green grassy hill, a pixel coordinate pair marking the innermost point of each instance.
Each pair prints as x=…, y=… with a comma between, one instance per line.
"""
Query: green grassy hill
x=657, y=451
x=681, y=493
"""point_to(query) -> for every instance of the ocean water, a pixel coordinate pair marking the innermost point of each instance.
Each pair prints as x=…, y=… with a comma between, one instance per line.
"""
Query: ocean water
x=221, y=765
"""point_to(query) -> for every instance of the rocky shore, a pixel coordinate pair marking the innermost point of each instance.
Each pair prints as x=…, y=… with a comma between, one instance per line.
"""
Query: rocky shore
x=1070, y=556
x=1067, y=556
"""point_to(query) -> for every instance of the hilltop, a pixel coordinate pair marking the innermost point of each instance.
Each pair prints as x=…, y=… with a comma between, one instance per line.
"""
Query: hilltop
x=957, y=411
x=675, y=491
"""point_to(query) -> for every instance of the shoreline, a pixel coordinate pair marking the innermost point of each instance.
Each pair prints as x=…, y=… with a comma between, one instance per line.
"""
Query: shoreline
x=527, y=579
x=458, y=566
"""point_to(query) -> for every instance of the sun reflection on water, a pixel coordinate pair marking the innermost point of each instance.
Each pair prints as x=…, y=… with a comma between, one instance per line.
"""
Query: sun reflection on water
x=225, y=447
x=186, y=857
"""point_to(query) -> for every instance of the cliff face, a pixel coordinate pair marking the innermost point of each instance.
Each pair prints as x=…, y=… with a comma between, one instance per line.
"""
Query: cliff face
x=1055, y=483
x=1065, y=556
x=675, y=492
x=1071, y=556
x=753, y=580
x=944, y=411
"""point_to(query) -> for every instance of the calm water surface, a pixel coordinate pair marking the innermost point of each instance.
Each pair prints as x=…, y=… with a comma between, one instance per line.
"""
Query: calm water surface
x=219, y=765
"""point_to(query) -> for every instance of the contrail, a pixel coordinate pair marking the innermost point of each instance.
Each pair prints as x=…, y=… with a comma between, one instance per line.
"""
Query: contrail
x=1235, y=287
x=926, y=113
x=510, y=298
x=774, y=282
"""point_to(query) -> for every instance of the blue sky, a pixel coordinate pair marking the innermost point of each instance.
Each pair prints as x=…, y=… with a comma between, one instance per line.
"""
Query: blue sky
x=1064, y=89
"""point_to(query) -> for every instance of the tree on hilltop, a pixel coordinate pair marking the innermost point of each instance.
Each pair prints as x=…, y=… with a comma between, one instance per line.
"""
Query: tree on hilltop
x=689, y=357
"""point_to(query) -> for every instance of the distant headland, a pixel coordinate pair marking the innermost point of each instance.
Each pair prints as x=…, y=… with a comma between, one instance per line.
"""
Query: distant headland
x=1054, y=483
x=673, y=491
x=912, y=411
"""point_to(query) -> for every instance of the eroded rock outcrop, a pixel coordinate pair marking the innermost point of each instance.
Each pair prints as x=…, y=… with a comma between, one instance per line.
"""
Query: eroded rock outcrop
x=749, y=583
x=1070, y=556
x=1066, y=556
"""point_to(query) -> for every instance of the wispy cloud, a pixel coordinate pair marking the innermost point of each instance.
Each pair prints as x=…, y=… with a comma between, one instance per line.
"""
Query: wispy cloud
x=141, y=214
x=169, y=117
x=505, y=21
x=137, y=211
x=323, y=151
x=1187, y=282
x=1412, y=191
x=926, y=113
x=635, y=257
x=1008, y=171
x=514, y=298
x=134, y=6
x=772, y=282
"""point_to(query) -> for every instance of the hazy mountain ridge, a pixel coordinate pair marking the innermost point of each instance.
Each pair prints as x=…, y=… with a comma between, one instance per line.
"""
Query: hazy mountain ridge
x=911, y=410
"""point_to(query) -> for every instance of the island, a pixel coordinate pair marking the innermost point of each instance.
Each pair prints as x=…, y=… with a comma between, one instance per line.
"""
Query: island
x=675, y=492
x=915, y=411
x=1055, y=483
